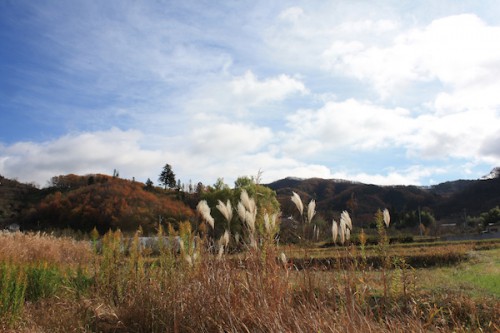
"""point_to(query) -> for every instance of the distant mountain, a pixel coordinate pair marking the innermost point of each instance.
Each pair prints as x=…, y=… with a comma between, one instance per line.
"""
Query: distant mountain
x=495, y=173
x=450, y=188
x=472, y=199
x=446, y=201
x=82, y=201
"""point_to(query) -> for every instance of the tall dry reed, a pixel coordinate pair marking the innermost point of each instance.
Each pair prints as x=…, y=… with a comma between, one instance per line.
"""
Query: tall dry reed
x=38, y=247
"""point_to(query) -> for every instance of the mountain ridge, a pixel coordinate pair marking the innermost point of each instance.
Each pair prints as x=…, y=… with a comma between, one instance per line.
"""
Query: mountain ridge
x=447, y=201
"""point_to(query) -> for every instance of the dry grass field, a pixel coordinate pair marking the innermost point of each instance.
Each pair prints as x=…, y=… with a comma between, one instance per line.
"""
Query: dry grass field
x=59, y=285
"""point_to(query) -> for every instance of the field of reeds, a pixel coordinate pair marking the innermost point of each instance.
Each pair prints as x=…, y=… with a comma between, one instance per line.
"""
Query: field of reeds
x=191, y=282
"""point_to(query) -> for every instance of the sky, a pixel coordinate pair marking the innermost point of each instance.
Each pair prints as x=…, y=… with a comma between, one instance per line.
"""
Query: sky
x=380, y=92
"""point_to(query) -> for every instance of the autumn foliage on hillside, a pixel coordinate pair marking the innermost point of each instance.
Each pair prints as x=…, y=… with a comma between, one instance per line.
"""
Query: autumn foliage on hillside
x=85, y=202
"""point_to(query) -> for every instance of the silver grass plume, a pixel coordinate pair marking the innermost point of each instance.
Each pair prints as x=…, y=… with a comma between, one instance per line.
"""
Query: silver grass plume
x=244, y=198
x=342, y=231
x=284, y=260
x=249, y=207
x=335, y=231
x=347, y=219
x=241, y=211
x=248, y=203
x=225, y=210
x=224, y=240
x=253, y=242
x=347, y=234
x=250, y=220
x=247, y=212
x=311, y=210
x=387, y=217
x=204, y=210
x=267, y=223
x=298, y=202
x=270, y=222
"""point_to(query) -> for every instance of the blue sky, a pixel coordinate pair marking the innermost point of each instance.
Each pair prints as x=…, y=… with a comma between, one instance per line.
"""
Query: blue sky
x=392, y=92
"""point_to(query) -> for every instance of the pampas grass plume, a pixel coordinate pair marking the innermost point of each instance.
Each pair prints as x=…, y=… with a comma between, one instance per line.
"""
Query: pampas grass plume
x=247, y=202
x=240, y=208
x=225, y=238
x=267, y=222
x=270, y=222
x=225, y=210
x=346, y=218
x=298, y=202
x=283, y=259
x=387, y=217
x=250, y=220
x=335, y=231
x=311, y=211
x=204, y=210
x=342, y=231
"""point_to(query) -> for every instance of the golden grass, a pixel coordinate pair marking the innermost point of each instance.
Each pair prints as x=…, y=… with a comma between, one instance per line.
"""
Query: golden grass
x=38, y=247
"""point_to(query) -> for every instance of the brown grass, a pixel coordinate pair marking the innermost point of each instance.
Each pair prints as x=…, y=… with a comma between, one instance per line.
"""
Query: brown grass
x=38, y=247
x=253, y=292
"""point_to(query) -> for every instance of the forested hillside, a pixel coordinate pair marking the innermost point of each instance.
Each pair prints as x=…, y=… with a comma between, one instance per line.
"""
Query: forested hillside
x=106, y=202
x=85, y=202
x=447, y=201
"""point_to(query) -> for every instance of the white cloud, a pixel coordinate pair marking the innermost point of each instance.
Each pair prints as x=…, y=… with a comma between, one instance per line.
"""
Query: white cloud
x=291, y=14
x=272, y=165
x=236, y=95
x=475, y=96
x=301, y=35
x=348, y=124
x=409, y=176
x=80, y=153
x=456, y=135
x=226, y=140
x=461, y=52
x=253, y=92
x=368, y=26
x=366, y=127
x=491, y=148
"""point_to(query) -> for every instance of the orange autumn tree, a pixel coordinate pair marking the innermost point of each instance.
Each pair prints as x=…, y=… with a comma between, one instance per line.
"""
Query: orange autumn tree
x=106, y=203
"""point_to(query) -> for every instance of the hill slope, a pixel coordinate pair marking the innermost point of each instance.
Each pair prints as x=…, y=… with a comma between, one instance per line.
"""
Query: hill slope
x=85, y=202
x=446, y=201
x=14, y=198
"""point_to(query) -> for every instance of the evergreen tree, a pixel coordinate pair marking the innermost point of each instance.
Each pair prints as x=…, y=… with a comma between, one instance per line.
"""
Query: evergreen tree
x=167, y=177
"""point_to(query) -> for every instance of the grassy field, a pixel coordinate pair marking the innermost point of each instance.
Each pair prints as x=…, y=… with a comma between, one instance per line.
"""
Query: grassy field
x=477, y=277
x=60, y=285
